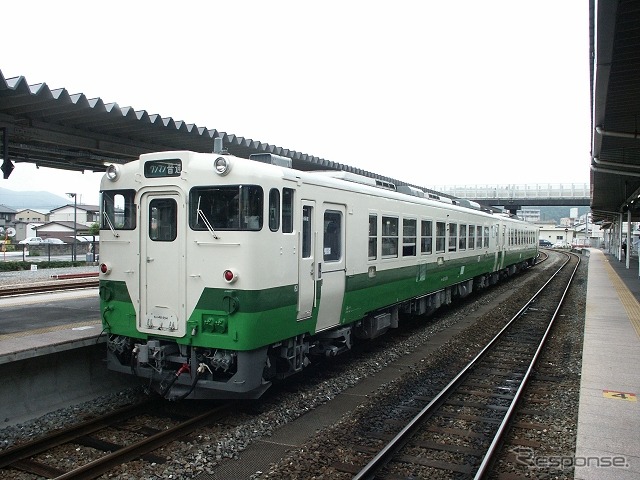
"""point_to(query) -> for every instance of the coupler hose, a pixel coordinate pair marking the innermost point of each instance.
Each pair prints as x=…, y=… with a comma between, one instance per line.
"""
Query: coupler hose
x=201, y=369
x=184, y=368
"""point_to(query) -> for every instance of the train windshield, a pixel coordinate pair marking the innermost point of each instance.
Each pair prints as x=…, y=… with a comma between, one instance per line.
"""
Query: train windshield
x=118, y=210
x=230, y=207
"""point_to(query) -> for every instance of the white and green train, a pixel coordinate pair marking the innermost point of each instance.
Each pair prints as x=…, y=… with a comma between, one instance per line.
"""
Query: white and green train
x=221, y=274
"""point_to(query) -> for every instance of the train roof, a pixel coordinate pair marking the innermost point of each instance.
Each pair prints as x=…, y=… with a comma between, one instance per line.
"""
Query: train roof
x=274, y=165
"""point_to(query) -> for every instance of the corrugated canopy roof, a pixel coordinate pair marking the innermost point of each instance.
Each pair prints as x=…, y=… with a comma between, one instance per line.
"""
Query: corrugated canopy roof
x=615, y=103
x=54, y=128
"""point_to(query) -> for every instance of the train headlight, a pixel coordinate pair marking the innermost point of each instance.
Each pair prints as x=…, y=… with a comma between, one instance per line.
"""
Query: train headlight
x=113, y=172
x=230, y=276
x=105, y=268
x=222, y=165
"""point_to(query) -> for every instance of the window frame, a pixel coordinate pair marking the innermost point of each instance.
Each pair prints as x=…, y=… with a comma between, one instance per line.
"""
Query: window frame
x=173, y=224
x=333, y=252
x=426, y=239
x=372, y=252
x=108, y=210
x=238, y=216
x=409, y=240
x=389, y=239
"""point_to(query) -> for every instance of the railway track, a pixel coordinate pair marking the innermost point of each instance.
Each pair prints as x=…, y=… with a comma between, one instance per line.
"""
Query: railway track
x=458, y=431
x=32, y=457
x=61, y=282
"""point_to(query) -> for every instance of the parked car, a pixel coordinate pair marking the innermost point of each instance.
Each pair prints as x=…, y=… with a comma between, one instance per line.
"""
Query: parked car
x=55, y=241
x=31, y=241
x=545, y=243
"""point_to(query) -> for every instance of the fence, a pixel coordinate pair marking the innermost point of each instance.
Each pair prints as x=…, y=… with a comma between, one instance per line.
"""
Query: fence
x=48, y=252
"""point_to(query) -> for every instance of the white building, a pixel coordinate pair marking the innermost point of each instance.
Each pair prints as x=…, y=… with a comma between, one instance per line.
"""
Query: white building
x=85, y=214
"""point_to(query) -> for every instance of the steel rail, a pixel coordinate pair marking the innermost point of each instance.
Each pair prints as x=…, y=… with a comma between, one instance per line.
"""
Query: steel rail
x=47, y=287
x=494, y=447
x=385, y=455
x=19, y=453
x=59, y=437
x=104, y=464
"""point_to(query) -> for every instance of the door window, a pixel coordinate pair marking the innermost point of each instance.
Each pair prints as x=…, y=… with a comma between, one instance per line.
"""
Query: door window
x=332, y=236
x=163, y=219
x=306, y=231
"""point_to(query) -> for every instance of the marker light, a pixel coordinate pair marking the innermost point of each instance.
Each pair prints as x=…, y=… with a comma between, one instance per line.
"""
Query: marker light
x=222, y=166
x=113, y=172
x=104, y=268
x=229, y=276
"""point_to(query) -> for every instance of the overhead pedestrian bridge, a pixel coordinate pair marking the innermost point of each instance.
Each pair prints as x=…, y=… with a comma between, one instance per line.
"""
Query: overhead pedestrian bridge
x=515, y=196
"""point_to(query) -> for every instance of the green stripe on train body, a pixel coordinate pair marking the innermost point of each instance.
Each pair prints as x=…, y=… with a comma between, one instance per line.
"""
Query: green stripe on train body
x=365, y=293
x=245, y=320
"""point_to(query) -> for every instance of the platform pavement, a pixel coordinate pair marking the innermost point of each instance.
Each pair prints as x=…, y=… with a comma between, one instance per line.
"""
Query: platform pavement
x=608, y=437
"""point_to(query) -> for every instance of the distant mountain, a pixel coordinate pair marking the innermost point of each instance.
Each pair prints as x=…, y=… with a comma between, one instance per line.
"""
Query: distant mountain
x=42, y=201
x=554, y=214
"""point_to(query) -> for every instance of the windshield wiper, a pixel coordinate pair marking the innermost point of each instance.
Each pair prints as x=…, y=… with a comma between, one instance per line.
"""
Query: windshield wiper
x=201, y=214
x=113, y=230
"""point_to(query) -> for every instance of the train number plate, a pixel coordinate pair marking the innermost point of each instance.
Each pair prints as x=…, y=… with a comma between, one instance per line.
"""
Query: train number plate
x=163, y=320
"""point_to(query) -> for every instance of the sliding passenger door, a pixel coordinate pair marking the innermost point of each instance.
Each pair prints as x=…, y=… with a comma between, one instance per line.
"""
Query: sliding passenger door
x=306, y=261
x=331, y=266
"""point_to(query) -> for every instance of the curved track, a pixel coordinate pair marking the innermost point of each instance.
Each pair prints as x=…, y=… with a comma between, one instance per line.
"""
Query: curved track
x=480, y=399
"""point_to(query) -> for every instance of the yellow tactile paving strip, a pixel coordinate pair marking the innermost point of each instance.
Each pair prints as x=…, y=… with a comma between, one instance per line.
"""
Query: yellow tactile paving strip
x=68, y=326
x=629, y=302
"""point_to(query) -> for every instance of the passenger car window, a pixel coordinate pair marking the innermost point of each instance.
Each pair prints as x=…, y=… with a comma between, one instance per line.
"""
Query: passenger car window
x=462, y=245
x=453, y=236
x=287, y=210
x=426, y=236
x=373, y=237
x=409, y=237
x=274, y=209
x=441, y=237
x=389, y=237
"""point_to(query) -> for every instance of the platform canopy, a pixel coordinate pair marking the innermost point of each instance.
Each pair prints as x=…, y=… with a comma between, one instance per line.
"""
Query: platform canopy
x=615, y=104
x=54, y=128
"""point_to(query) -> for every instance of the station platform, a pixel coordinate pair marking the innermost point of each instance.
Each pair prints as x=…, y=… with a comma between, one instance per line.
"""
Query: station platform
x=34, y=343
x=608, y=441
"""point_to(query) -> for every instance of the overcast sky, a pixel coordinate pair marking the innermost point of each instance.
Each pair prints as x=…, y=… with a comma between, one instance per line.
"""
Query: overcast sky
x=433, y=93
